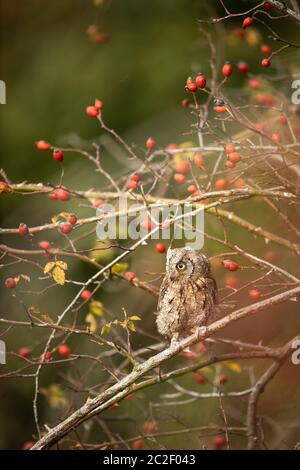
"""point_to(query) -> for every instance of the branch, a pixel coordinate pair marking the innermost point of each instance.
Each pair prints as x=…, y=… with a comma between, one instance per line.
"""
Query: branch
x=121, y=388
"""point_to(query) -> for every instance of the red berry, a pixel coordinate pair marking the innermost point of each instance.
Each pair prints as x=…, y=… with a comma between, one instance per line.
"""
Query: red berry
x=150, y=143
x=232, y=281
x=220, y=108
x=3, y=187
x=191, y=188
x=276, y=137
x=24, y=352
x=132, y=184
x=27, y=445
x=160, y=248
x=230, y=265
x=92, y=29
x=64, y=350
x=23, y=230
x=149, y=427
x=268, y=6
x=192, y=87
x=179, y=178
x=92, y=111
x=243, y=66
x=58, y=155
x=98, y=104
x=271, y=256
x=199, y=378
x=254, y=83
x=223, y=379
x=101, y=38
x=62, y=194
x=200, y=347
x=198, y=160
x=229, y=148
x=10, y=283
x=147, y=225
x=229, y=164
x=99, y=203
x=265, y=63
x=239, y=184
x=44, y=244
x=265, y=49
x=219, y=442
x=264, y=99
x=185, y=103
x=72, y=219
x=200, y=81
x=137, y=444
x=46, y=357
x=135, y=177
x=234, y=157
x=282, y=119
x=254, y=294
x=221, y=183
x=42, y=145
x=86, y=294
x=227, y=69
x=129, y=275
x=182, y=167
x=189, y=355
x=247, y=22
x=66, y=227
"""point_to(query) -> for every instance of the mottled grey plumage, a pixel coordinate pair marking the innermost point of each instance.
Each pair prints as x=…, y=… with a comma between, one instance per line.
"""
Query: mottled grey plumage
x=188, y=294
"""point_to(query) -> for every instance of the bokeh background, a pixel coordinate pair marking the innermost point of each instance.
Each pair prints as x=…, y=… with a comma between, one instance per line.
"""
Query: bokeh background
x=53, y=70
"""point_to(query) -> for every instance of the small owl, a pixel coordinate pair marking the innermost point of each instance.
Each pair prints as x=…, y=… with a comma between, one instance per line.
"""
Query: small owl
x=188, y=294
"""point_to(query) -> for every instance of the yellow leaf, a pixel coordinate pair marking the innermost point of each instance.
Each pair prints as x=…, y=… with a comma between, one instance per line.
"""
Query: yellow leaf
x=58, y=275
x=119, y=268
x=91, y=320
x=96, y=308
x=55, y=396
x=49, y=266
x=98, y=3
x=62, y=265
x=234, y=366
x=135, y=318
x=186, y=145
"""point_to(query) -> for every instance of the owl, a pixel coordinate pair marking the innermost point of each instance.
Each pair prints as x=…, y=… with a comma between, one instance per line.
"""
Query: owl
x=188, y=294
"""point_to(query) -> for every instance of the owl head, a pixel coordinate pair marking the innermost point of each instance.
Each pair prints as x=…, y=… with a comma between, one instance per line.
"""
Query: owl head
x=186, y=262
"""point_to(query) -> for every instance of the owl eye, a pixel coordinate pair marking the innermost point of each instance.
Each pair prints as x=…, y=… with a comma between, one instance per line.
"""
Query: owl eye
x=181, y=266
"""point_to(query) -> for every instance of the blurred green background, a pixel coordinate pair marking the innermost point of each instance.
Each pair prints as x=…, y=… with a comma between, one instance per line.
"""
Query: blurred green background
x=52, y=72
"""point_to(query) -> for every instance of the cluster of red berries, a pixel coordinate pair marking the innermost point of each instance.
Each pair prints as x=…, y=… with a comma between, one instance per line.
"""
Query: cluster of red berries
x=233, y=157
x=198, y=84
x=60, y=194
x=57, y=153
x=67, y=227
x=63, y=350
x=134, y=181
x=94, y=111
x=100, y=37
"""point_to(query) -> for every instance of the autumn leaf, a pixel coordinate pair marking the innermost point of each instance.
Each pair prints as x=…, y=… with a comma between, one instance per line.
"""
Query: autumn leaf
x=233, y=366
x=105, y=329
x=91, y=320
x=49, y=267
x=55, y=396
x=58, y=275
x=96, y=308
x=134, y=318
x=119, y=268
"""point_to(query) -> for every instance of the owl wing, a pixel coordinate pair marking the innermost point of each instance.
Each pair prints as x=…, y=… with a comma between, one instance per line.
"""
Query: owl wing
x=162, y=293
